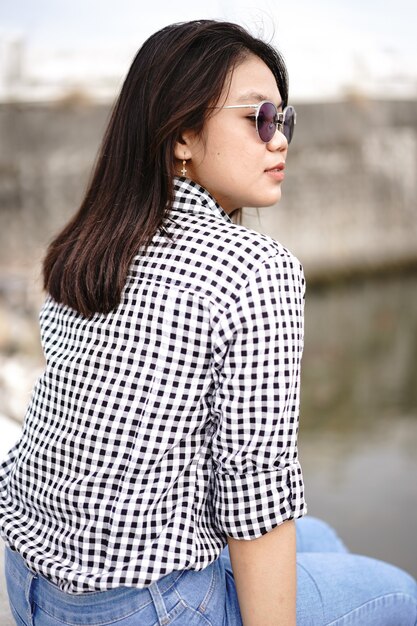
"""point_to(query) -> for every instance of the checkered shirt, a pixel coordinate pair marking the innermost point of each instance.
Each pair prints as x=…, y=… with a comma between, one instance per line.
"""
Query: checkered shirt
x=165, y=426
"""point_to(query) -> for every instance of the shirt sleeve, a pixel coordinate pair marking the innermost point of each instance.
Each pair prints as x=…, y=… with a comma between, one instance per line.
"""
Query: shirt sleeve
x=258, y=482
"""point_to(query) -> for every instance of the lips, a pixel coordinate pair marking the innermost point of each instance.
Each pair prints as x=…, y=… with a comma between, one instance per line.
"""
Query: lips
x=277, y=168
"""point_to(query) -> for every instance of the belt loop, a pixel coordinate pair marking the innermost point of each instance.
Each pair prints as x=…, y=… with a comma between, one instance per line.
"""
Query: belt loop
x=159, y=603
x=31, y=577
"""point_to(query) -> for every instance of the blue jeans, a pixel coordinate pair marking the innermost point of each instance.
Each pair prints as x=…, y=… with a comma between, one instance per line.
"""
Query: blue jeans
x=334, y=587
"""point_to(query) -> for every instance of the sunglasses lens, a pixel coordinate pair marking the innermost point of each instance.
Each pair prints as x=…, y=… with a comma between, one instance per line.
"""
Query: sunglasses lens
x=289, y=122
x=267, y=121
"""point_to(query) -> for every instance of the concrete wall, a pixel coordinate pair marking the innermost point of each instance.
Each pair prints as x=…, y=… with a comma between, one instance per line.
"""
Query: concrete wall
x=349, y=198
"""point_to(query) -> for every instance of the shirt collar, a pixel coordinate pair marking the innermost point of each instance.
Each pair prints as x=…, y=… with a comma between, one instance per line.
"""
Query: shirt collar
x=191, y=197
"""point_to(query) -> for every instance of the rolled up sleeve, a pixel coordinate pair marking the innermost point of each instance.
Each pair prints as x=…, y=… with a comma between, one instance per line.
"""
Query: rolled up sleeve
x=258, y=482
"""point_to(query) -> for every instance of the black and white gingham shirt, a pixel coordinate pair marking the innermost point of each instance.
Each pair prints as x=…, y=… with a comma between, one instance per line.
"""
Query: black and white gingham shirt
x=162, y=427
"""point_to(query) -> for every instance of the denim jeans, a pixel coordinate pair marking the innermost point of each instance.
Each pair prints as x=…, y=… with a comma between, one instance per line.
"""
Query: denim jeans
x=333, y=587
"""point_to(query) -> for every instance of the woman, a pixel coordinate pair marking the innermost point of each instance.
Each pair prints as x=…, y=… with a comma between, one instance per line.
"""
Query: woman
x=157, y=479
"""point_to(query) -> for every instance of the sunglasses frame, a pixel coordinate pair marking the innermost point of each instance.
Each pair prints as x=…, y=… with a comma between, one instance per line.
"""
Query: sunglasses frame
x=280, y=115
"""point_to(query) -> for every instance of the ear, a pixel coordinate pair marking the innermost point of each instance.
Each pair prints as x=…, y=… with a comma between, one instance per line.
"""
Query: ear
x=184, y=146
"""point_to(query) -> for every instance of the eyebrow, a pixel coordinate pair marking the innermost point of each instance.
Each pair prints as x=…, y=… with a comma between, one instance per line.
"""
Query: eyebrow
x=254, y=96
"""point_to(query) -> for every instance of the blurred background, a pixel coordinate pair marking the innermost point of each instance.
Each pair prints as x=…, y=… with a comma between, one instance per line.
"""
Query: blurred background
x=348, y=212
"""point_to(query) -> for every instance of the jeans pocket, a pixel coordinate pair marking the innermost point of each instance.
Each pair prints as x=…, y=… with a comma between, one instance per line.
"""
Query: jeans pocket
x=204, y=594
x=189, y=617
x=121, y=616
x=100, y=609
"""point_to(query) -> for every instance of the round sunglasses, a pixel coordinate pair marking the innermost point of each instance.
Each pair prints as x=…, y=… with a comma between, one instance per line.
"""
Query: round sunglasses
x=268, y=119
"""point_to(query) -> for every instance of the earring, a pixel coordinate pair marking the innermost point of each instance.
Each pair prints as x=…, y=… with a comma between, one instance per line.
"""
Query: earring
x=184, y=169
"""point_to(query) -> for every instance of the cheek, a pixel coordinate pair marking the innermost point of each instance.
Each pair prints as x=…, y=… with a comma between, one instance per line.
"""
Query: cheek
x=232, y=154
x=229, y=153
x=240, y=163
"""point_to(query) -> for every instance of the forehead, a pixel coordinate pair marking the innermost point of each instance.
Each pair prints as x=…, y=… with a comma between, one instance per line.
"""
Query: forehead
x=252, y=81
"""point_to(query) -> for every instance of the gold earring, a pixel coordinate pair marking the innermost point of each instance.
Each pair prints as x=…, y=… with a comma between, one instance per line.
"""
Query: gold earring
x=184, y=169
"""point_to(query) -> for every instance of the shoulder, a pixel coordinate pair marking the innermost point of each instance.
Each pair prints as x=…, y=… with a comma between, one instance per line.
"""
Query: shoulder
x=223, y=257
x=256, y=248
x=264, y=264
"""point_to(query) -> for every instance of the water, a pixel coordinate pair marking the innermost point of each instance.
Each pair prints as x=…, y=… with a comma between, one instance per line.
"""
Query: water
x=358, y=433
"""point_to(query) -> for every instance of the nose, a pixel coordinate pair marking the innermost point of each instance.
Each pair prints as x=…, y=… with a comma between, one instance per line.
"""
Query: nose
x=278, y=142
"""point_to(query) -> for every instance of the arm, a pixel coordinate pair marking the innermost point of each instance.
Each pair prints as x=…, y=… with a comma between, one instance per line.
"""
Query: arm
x=265, y=576
x=258, y=488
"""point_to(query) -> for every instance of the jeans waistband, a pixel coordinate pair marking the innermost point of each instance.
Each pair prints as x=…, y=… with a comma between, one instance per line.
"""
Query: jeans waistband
x=21, y=572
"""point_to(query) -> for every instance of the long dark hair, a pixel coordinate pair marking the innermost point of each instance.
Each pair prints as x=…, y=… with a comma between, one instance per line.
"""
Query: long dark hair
x=176, y=76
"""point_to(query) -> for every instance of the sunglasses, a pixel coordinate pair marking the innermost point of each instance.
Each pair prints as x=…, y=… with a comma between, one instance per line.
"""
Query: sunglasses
x=269, y=120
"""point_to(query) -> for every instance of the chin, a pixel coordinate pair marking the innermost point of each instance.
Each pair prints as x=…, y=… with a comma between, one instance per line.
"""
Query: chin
x=259, y=200
x=270, y=200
